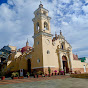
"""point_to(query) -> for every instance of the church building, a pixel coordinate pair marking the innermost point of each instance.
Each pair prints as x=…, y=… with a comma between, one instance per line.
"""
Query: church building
x=47, y=52
x=55, y=53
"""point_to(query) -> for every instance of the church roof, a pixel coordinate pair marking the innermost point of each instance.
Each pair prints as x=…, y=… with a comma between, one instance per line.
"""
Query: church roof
x=26, y=48
x=6, y=48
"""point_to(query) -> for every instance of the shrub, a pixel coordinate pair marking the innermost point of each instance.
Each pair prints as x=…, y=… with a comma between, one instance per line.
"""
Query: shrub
x=15, y=74
x=34, y=72
x=28, y=74
x=49, y=70
x=39, y=72
x=2, y=73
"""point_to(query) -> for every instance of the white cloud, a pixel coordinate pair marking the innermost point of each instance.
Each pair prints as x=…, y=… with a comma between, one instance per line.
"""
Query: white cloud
x=85, y=8
x=16, y=22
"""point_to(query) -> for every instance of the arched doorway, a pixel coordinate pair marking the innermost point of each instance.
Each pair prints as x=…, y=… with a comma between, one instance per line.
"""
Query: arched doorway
x=65, y=64
x=29, y=66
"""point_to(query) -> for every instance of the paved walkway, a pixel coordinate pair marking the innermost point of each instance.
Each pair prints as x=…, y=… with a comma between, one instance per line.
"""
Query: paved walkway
x=12, y=81
x=47, y=82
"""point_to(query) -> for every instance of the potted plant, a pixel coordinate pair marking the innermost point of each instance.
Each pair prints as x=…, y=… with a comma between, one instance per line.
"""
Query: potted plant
x=34, y=73
x=2, y=73
x=61, y=73
x=49, y=70
x=55, y=72
x=45, y=74
x=21, y=77
x=39, y=74
x=28, y=74
x=52, y=73
x=15, y=75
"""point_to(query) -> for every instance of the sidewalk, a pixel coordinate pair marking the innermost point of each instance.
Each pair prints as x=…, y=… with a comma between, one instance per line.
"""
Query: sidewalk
x=13, y=81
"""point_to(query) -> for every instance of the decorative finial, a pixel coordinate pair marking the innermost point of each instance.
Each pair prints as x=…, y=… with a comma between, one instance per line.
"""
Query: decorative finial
x=27, y=39
x=40, y=6
x=60, y=32
x=27, y=43
x=55, y=34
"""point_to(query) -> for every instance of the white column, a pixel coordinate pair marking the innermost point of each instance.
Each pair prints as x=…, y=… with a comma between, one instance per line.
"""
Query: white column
x=61, y=64
x=84, y=68
x=70, y=62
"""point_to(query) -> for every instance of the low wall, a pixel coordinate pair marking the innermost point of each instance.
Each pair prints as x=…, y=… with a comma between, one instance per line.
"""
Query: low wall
x=79, y=75
x=80, y=69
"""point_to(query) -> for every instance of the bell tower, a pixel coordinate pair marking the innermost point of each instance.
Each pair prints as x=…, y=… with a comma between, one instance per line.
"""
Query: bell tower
x=42, y=38
x=41, y=20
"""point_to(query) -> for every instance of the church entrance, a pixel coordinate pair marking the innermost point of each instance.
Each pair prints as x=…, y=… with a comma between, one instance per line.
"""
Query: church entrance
x=29, y=66
x=65, y=64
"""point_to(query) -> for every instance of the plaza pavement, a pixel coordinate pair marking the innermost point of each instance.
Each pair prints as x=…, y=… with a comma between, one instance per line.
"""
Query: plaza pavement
x=46, y=82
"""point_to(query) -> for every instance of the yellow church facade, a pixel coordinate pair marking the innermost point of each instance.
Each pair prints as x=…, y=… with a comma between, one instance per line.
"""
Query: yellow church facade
x=54, y=53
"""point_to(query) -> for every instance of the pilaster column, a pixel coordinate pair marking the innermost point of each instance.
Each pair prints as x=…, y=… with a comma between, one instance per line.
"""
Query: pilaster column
x=61, y=64
x=70, y=62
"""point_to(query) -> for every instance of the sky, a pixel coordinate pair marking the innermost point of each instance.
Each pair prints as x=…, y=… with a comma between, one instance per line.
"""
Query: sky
x=70, y=16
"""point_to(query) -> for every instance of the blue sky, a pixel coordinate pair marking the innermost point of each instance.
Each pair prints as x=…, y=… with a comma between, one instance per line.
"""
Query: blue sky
x=70, y=16
x=3, y=1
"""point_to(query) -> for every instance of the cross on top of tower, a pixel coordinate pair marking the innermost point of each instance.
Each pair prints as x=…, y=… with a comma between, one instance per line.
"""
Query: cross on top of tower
x=60, y=32
x=40, y=6
x=40, y=2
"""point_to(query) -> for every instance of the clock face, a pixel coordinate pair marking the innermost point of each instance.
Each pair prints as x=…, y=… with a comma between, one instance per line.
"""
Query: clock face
x=47, y=41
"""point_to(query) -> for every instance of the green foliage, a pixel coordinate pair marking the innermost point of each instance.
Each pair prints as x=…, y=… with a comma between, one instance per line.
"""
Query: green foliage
x=49, y=70
x=34, y=72
x=15, y=74
x=39, y=72
x=2, y=73
x=28, y=74
x=82, y=59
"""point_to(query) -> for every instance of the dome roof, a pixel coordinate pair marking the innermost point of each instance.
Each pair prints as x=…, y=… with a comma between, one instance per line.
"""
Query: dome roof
x=7, y=48
x=26, y=48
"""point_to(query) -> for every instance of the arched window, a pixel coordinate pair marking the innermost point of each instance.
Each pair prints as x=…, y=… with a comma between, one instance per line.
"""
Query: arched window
x=37, y=26
x=45, y=26
x=38, y=60
x=44, y=13
x=37, y=42
x=62, y=47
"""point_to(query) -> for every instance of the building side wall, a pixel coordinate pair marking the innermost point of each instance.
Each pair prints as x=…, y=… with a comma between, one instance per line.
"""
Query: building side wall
x=78, y=65
x=37, y=54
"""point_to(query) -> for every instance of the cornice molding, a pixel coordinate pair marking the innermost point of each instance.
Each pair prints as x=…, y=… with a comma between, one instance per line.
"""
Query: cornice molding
x=40, y=9
x=63, y=50
x=42, y=33
x=41, y=17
